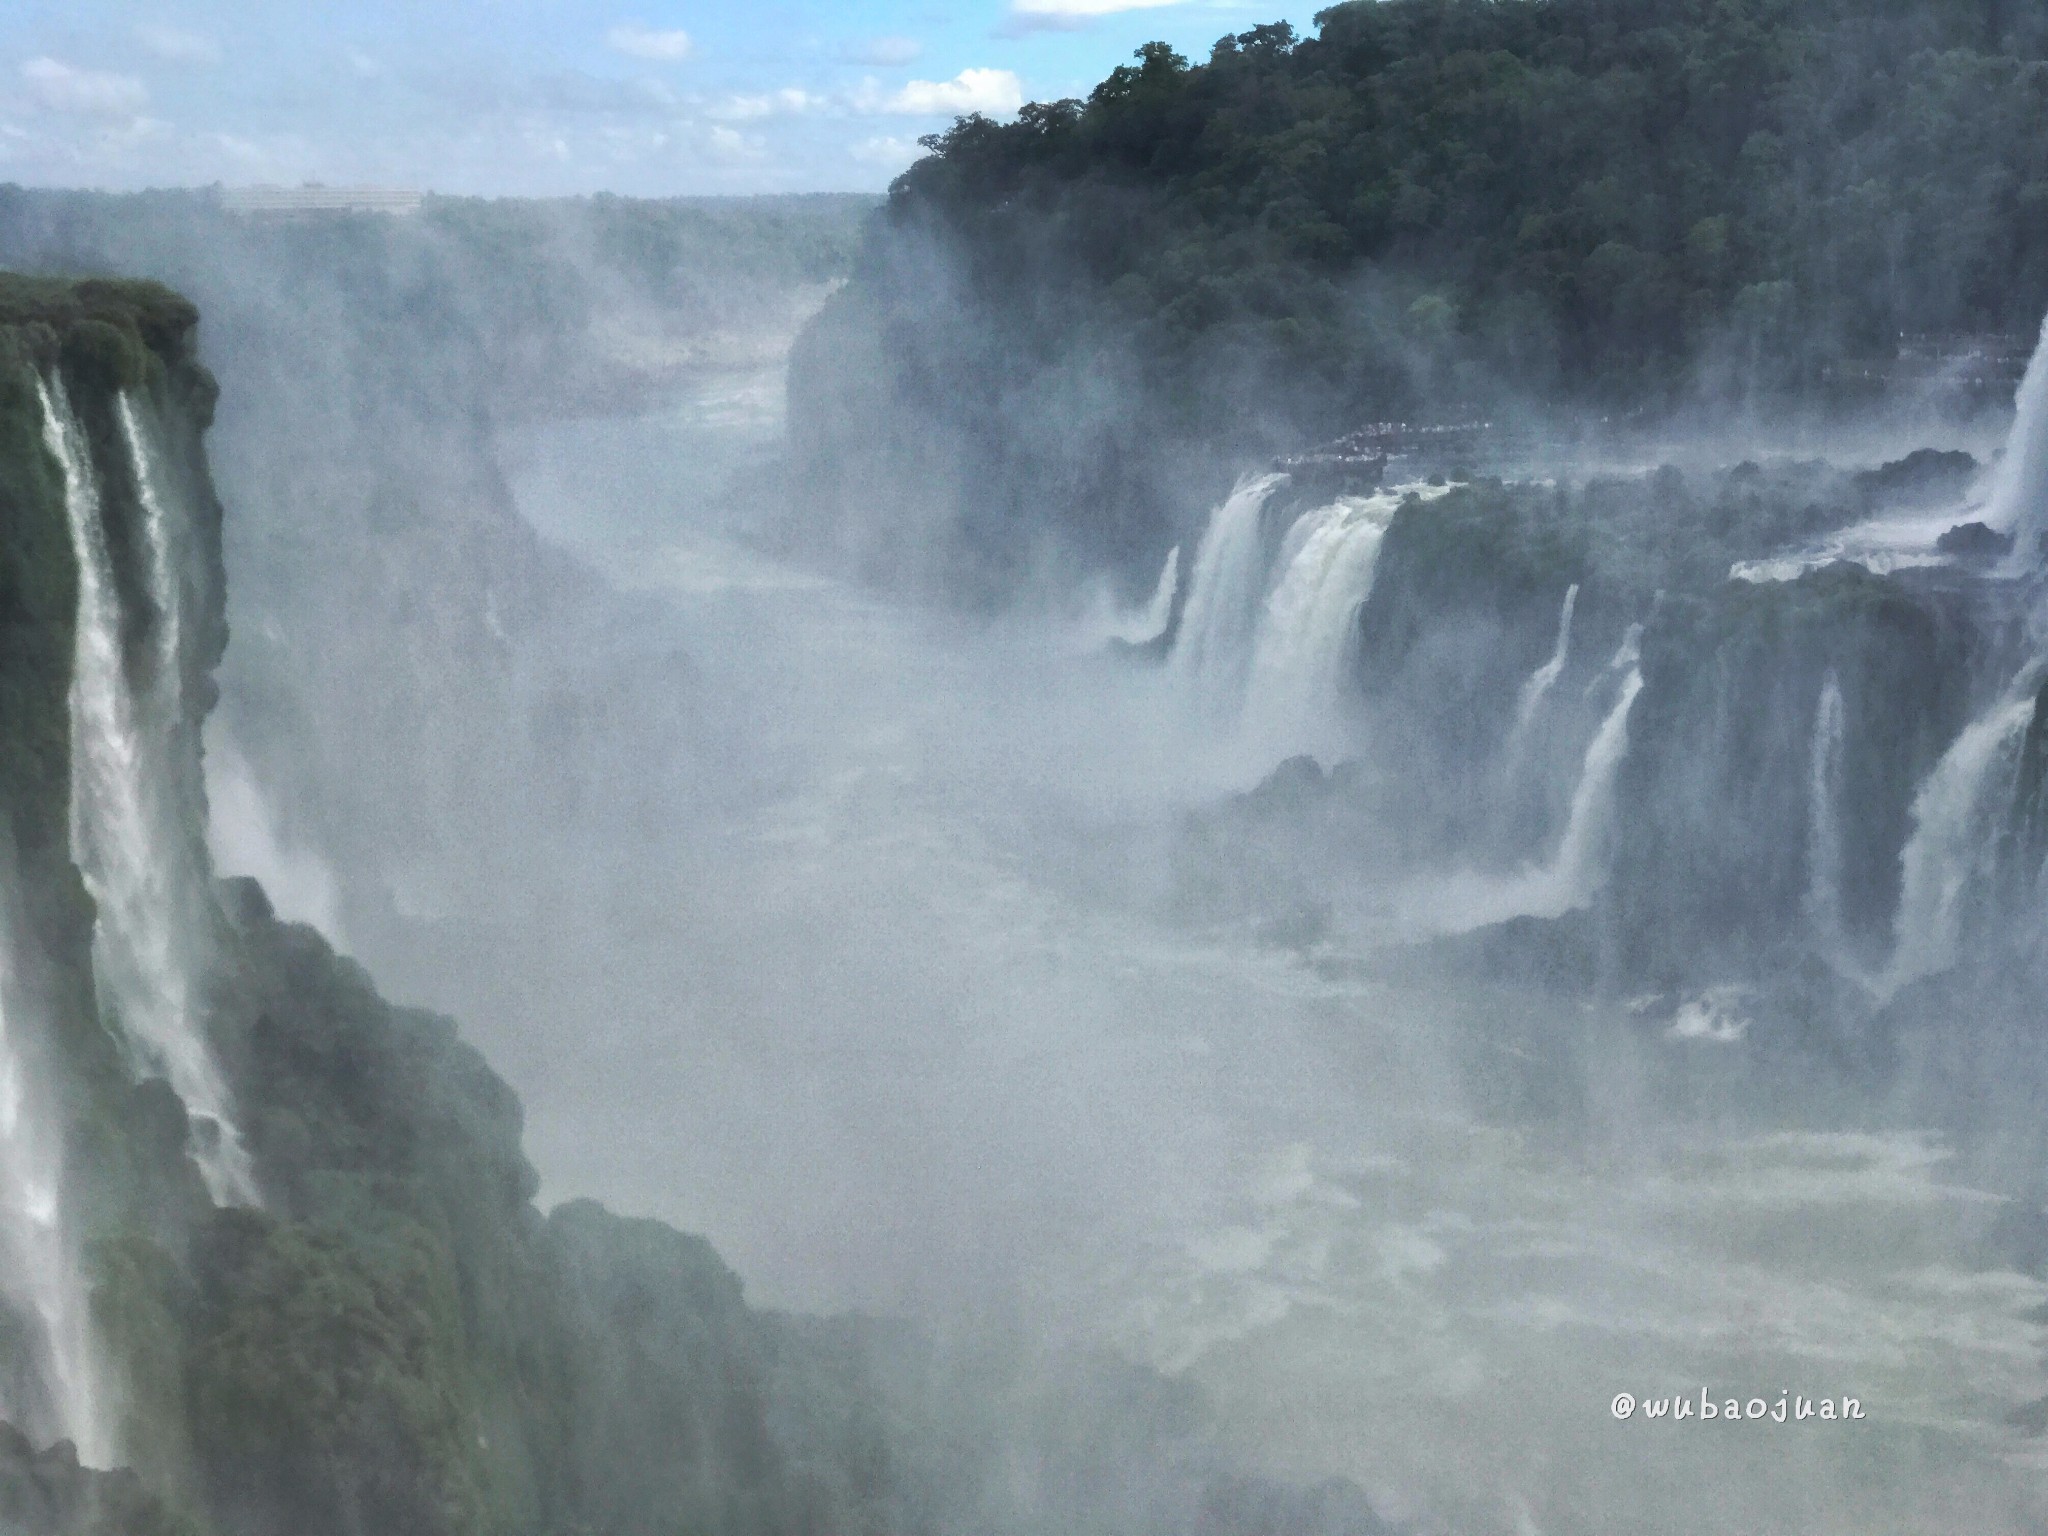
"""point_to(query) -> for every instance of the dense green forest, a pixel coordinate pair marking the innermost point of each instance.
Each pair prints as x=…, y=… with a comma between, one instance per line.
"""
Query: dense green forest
x=1433, y=207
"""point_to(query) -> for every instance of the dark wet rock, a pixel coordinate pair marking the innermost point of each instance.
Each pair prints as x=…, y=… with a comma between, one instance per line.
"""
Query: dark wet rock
x=1975, y=541
x=47, y=1493
x=1928, y=477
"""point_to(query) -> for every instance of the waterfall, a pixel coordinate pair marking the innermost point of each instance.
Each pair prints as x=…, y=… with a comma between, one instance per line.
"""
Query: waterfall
x=1303, y=642
x=1213, y=648
x=1529, y=705
x=1578, y=867
x=1824, y=819
x=124, y=822
x=1159, y=612
x=1110, y=621
x=39, y=1276
x=1954, y=842
x=2018, y=500
x=166, y=588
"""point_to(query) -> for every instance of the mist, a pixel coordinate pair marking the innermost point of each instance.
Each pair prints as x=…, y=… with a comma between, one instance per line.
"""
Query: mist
x=949, y=968
x=1248, y=891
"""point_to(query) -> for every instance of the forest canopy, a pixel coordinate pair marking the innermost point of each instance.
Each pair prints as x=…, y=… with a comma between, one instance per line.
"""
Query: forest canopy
x=1603, y=194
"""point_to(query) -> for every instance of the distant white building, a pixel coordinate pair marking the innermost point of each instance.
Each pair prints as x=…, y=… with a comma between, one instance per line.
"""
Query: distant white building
x=314, y=198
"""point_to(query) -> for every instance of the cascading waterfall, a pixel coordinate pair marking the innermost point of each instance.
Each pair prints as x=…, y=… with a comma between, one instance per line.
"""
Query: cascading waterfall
x=1213, y=648
x=1303, y=642
x=1529, y=705
x=1108, y=621
x=1956, y=819
x=123, y=826
x=1576, y=873
x=2018, y=500
x=1578, y=867
x=1824, y=819
x=166, y=589
x=39, y=1276
x=1159, y=612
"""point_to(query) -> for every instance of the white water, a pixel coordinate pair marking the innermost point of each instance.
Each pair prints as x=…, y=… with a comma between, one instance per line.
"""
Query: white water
x=1529, y=705
x=166, y=585
x=2014, y=501
x=1265, y=644
x=125, y=834
x=2018, y=499
x=1159, y=612
x=39, y=1275
x=1213, y=649
x=1302, y=647
x=1824, y=819
x=1954, y=842
x=1577, y=868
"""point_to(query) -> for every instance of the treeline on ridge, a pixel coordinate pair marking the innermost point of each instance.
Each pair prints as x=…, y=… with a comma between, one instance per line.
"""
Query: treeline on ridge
x=1432, y=207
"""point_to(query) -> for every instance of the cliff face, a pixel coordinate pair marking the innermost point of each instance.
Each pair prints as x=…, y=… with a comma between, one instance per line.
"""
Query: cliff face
x=270, y=1262
x=1782, y=749
x=375, y=1330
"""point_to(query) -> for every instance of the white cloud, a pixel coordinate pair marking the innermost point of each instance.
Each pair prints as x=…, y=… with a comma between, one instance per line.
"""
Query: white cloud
x=783, y=103
x=728, y=144
x=88, y=92
x=648, y=43
x=886, y=52
x=890, y=153
x=176, y=46
x=995, y=91
x=1083, y=8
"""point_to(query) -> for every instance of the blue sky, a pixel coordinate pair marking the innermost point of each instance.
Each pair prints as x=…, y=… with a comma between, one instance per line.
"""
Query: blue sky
x=646, y=97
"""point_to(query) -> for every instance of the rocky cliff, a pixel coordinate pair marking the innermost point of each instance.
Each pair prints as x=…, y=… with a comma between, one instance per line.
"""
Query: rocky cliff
x=377, y=1331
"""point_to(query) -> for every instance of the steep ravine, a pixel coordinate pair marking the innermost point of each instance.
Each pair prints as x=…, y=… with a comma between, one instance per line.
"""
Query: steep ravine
x=379, y=1332
x=371, y=1327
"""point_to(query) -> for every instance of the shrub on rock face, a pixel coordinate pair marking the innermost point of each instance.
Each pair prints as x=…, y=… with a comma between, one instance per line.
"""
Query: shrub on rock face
x=325, y=1381
x=103, y=359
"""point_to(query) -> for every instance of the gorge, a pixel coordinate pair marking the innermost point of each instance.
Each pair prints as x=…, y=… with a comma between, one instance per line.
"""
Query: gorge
x=1288, y=773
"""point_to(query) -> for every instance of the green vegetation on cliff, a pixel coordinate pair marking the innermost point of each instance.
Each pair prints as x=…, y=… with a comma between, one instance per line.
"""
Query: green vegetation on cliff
x=1429, y=207
x=396, y=1341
